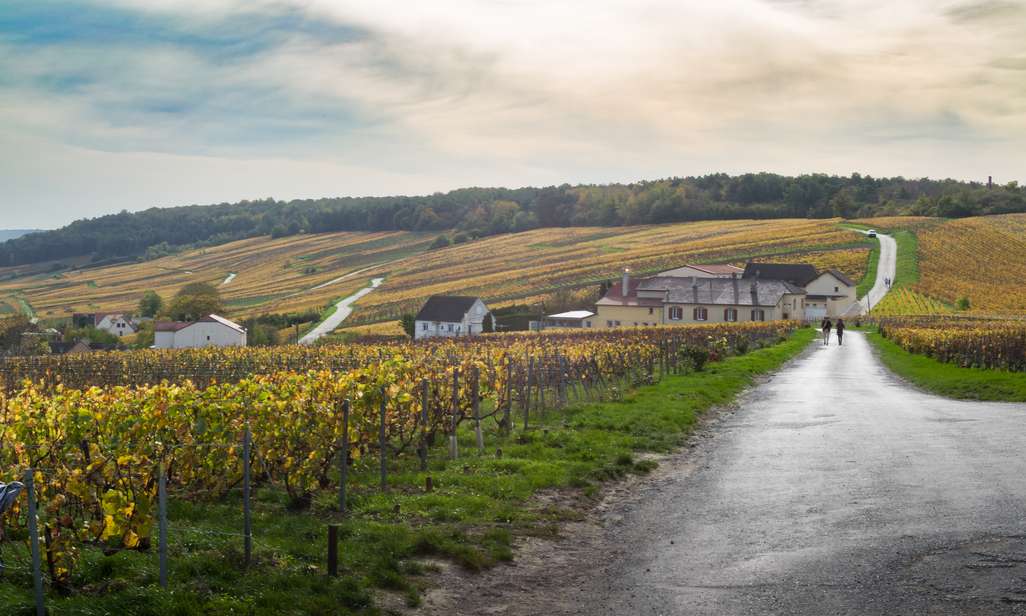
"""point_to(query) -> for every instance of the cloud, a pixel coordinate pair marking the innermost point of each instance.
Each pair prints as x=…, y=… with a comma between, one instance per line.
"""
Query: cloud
x=518, y=91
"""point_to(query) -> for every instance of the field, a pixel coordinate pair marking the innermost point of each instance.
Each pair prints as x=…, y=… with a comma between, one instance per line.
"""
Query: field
x=525, y=268
x=271, y=275
x=97, y=456
x=283, y=275
x=965, y=342
x=976, y=262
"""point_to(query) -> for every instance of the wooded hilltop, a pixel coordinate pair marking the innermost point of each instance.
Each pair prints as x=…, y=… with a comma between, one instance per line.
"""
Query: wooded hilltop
x=480, y=212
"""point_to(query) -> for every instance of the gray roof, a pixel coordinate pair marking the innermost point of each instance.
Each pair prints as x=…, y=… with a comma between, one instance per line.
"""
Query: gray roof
x=721, y=291
x=448, y=308
x=800, y=274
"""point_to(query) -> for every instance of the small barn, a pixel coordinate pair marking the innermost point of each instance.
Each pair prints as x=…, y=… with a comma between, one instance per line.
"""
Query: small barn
x=451, y=316
x=210, y=331
x=572, y=318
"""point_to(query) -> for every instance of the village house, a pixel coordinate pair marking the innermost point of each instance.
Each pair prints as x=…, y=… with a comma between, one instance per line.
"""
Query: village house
x=829, y=294
x=450, y=316
x=661, y=300
x=210, y=331
x=115, y=323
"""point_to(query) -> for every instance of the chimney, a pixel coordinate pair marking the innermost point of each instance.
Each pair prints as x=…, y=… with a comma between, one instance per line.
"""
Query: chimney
x=990, y=181
x=625, y=283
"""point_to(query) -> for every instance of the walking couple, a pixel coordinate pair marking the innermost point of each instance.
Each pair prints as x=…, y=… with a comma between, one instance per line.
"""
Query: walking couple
x=826, y=326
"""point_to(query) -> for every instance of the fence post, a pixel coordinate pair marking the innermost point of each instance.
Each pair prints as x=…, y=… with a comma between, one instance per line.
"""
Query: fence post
x=162, y=532
x=425, y=397
x=527, y=399
x=333, y=550
x=343, y=458
x=382, y=444
x=247, y=514
x=454, y=451
x=475, y=397
x=37, y=567
x=507, y=419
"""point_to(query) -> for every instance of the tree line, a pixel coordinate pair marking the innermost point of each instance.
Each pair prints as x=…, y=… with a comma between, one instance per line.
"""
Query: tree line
x=477, y=212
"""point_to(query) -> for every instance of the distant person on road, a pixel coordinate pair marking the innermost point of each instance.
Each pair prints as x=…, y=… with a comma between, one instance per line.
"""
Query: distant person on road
x=840, y=331
x=826, y=325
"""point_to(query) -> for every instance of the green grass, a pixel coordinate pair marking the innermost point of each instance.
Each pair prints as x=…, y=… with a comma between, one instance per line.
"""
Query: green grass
x=907, y=265
x=869, y=279
x=480, y=502
x=948, y=379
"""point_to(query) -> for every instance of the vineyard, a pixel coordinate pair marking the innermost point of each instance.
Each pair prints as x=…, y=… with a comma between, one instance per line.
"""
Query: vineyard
x=526, y=268
x=308, y=271
x=103, y=438
x=966, y=342
x=904, y=301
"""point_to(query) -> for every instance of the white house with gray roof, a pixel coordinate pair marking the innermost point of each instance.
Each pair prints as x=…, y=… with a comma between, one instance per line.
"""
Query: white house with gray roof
x=450, y=316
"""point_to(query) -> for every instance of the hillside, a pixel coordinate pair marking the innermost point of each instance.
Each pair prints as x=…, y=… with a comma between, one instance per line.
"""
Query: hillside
x=297, y=273
x=981, y=260
x=481, y=212
x=10, y=234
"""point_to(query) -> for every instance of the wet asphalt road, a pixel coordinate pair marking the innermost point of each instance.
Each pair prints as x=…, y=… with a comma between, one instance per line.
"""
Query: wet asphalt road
x=834, y=489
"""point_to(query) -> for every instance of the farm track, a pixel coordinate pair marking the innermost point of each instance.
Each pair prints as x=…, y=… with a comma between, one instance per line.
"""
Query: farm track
x=833, y=488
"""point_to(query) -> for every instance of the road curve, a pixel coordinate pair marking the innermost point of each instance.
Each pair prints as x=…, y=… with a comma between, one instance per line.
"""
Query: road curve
x=342, y=311
x=887, y=267
x=834, y=488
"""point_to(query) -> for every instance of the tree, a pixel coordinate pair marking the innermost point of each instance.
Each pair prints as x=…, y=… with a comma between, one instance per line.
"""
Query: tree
x=151, y=304
x=409, y=323
x=195, y=301
x=442, y=241
x=488, y=326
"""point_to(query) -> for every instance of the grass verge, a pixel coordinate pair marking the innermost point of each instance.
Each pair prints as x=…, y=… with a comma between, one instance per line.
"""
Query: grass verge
x=907, y=261
x=478, y=504
x=950, y=380
x=869, y=279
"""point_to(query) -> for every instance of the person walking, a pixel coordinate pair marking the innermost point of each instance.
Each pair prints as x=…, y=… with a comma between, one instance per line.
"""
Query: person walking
x=826, y=325
x=840, y=331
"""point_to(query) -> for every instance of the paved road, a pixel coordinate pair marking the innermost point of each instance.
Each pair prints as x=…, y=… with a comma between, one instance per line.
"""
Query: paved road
x=886, y=268
x=833, y=489
x=342, y=311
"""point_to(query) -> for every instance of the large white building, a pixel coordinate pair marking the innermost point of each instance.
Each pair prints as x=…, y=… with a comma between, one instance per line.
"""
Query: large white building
x=210, y=331
x=450, y=316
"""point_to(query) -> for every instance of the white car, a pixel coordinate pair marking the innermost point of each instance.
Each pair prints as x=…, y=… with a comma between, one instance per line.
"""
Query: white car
x=871, y=233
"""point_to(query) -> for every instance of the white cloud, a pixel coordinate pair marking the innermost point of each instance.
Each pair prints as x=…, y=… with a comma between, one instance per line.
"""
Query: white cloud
x=441, y=94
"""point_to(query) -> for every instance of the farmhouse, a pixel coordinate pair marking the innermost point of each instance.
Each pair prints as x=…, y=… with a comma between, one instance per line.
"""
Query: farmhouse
x=663, y=300
x=114, y=323
x=450, y=316
x=210, y=331
x=829, y=294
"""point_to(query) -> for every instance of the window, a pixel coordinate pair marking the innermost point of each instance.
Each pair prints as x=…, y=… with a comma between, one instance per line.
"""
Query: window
x=423, y=326
x=730, y=314
x=450, y=326
x=758, y=314
x=676, y=313
x=616, y=323
x=837, y=289
x=587, y=323
x=208, y=338
x=650, y=310
x=609, y=323
x=701, y=314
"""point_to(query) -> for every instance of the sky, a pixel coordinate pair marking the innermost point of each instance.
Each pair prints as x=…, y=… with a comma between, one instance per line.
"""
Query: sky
x=131, y=104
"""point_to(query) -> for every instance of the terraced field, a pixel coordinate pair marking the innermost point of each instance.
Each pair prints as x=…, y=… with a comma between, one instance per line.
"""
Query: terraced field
x=295, y=273
x=271, y=275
